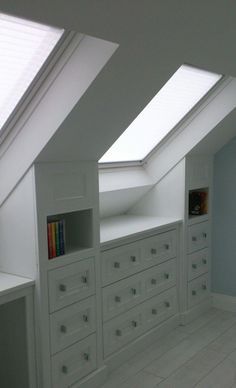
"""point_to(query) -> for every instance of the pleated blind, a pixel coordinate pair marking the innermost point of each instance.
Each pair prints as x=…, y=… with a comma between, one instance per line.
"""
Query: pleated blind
x=24, y=47
x=176, y=98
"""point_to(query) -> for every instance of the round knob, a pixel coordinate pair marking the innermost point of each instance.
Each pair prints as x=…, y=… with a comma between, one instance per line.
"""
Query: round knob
x=116, y=264
x=62, y=287
x=194, y=292
x=167, y=246
x=154, y=311
x=86, y=356
x=134, y=323
x=194, y=238
x=63, y=329
x=133, y=291
x=204, y=261
x=204, y=234
x=118, y=333
x=153, y=281
x=194, y=266
x=84, y=279
x=85, y=318
x=166, y=276
x=64, y=369
x=167, y=304
x=204, y=287
x=133, y=258
x=153, y=251
x=117, y=298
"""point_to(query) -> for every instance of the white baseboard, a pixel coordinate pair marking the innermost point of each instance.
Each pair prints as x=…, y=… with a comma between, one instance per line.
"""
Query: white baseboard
x=224, y=302
x=93, y=380
x=195, y=311
x=118, y=358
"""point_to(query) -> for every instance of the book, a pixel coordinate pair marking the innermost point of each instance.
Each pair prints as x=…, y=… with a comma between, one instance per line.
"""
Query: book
x=56, y=238
x=49, y=229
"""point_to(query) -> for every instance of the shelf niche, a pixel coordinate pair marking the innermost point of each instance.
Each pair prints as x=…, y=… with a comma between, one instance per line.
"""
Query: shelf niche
x=198, y=202
x=77, y=232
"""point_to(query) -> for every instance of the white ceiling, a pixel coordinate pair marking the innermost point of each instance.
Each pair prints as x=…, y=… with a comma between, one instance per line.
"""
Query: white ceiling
x=155, y=38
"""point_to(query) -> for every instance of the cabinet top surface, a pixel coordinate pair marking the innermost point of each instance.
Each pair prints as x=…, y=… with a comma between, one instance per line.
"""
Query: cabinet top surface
x=11, y=283
x=113, y=229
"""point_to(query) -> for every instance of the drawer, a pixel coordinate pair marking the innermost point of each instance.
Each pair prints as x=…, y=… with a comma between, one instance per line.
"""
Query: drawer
x=121, y=296
x=159, y=278
x=120, y=262
x=72, y=323
x=198, y=236
x=160, y=308
x=122, y=330
x=74, y=362
x=159, y=248
x=198, y=263
x=71, y=284
x=198, y=290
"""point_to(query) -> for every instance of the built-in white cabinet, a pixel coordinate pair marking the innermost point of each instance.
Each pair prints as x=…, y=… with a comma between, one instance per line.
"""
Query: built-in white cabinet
x=140, y=283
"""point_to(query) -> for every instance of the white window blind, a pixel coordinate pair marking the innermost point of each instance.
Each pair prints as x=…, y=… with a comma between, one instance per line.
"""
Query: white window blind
x=24, y=47
x=177, y=97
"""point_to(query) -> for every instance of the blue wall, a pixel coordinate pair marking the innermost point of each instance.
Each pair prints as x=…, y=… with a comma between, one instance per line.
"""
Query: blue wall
x=224, y=221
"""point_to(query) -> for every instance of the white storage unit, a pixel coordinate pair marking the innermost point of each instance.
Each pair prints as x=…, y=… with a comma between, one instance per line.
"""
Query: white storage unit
x=197, y=252
x=139, y=277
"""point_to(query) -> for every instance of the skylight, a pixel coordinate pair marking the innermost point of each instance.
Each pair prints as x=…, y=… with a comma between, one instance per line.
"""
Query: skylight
x=177, y=97
x=24, y=47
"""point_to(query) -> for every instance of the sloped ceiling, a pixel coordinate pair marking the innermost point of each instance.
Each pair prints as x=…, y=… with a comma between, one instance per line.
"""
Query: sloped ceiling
x=155, y=38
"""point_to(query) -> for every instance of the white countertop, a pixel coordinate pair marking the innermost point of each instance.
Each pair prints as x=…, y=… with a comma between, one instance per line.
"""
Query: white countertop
x=11, y=283
x=115, y=228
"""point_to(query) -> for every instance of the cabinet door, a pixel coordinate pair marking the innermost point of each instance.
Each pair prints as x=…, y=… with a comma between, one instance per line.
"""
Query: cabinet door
x=74, y=362
x=158, y=248
x=71, y=283
x=198, y=263
x=71, y=324
x=159, y=278
x=120, y=262
x=198, y=236
x=121, y=296
x=198, y=290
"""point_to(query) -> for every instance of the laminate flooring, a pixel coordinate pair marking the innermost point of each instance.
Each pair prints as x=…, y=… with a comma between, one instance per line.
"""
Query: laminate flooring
x=201, y=354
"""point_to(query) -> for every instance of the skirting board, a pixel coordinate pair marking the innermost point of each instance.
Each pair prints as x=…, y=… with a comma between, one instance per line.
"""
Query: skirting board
x=127, y=352
x=224, y=302
x=93, y=380
x=195, y=311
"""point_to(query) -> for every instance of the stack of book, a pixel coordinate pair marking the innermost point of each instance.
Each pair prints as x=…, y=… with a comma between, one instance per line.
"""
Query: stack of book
x=56, y=238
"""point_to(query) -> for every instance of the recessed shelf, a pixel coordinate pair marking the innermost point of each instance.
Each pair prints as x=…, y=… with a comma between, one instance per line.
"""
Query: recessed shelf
x=69, y=232
x=198, y=202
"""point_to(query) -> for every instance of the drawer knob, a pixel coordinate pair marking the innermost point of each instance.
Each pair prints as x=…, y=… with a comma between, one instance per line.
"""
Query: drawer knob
x=62, y=287
x=84, y=279
x=117, y=298
x=194, y=238
x=134, y=323
x=204, y=261
x=118, y=333
x=154, y=311
x=133, y=258
x=116, y=264
x=86, y=356
x=194, y=266
x=167, y=246
x=204, y=235
x=153, y=251
x=85, y=318
x=167, y=304
x=63, y=329
x=194, y=292
x=133, y=291
x=204, y=287
x=153, y=281
x=166, y=276
x=64, y=369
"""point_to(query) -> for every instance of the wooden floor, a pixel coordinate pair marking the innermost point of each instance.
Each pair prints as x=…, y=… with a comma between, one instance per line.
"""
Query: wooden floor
x=201, y=354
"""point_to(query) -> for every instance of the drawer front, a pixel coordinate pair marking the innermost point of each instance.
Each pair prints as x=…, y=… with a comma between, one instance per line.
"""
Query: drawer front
x=159, y=278
x=74, y=362
x=122, y=330
x=119, y=331
x=198, y=263
x=71, y=324
x=198, y=290
x=198, y=236
x=121, y=296
x=71, y=283
x=160, y=307
x=159, y=248
x=120, y=262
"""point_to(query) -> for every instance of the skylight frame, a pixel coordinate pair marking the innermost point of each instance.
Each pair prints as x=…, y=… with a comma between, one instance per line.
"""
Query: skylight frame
x=180, y=125
x=8, y=130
